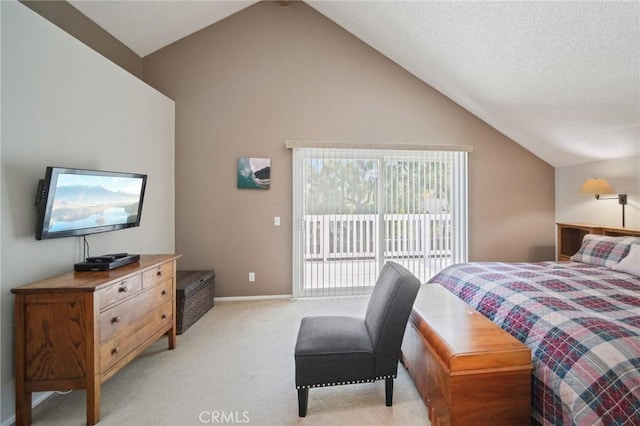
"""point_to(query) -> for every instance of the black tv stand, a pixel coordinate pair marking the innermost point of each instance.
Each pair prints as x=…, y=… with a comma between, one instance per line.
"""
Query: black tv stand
x=106, y=262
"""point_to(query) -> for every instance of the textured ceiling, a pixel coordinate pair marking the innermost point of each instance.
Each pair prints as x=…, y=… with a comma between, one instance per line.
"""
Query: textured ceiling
x=148, y=25
x=562, y=79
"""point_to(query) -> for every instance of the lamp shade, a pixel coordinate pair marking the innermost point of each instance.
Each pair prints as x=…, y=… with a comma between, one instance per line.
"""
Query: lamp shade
x=596, y=186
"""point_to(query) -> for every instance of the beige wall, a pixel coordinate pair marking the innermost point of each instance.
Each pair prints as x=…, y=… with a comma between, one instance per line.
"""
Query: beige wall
x=68, y=18
x=271, y=73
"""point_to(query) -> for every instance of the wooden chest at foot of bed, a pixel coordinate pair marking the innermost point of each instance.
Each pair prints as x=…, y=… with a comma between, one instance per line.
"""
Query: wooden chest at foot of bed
x=468, y=370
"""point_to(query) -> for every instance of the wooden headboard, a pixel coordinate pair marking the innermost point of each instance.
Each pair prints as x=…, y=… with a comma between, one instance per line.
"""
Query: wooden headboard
x=570, y=236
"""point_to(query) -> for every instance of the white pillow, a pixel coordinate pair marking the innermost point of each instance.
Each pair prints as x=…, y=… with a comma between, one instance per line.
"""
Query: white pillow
x=631, y=263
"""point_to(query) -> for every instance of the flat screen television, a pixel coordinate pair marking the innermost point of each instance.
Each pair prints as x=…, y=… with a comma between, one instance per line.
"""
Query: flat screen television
x=75, y=202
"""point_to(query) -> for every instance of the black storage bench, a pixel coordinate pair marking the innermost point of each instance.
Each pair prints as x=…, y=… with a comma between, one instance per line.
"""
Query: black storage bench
x=194, y=297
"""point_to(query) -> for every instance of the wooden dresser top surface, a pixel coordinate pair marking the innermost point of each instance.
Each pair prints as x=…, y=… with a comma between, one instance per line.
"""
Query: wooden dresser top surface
x=464, y=340
x=94, y=280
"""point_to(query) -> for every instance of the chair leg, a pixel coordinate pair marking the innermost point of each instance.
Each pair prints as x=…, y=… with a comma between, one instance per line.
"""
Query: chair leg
x=303, y=397
x=388, y=389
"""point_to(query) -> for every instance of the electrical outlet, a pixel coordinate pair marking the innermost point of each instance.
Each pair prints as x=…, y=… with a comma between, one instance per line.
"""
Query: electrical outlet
x=252, y=277
x=276, y=221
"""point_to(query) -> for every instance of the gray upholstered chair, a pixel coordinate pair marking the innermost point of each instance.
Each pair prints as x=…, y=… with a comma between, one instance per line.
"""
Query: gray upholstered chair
x=340, y=350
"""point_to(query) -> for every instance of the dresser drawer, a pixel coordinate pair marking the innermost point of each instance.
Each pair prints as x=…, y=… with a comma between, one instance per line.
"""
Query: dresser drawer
x=157, y=274
x=120, y=316
x=135, y=335
x=120, y=291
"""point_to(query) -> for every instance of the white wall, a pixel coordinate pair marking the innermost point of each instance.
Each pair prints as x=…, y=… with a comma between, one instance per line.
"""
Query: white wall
x=63, y=104
x=624, y=177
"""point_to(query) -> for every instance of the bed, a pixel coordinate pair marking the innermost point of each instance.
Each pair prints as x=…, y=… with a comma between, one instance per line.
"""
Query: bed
x=581, y=320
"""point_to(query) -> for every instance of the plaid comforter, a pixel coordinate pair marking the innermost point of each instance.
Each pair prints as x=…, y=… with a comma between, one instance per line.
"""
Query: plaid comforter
x=582, y=323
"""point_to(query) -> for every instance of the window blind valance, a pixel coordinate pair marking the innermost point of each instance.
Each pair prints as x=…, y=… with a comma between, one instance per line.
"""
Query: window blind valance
x=291, y=144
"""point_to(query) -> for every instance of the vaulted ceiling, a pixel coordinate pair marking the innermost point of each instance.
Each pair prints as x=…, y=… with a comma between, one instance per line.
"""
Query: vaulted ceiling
x=562, y=78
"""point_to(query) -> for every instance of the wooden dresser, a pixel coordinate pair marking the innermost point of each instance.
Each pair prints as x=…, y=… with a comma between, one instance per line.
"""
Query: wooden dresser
x=77, y=330
x=468, y=370
x=570, y=236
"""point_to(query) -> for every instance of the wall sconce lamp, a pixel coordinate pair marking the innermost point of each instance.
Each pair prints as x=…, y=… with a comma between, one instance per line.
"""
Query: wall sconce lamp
x=597, y=186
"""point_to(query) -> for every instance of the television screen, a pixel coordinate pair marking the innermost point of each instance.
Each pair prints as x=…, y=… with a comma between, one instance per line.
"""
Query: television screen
x=74, y=202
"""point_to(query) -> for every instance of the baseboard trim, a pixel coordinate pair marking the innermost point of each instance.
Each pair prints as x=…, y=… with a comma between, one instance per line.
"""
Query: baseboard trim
x=40, y=396
x=251, y=298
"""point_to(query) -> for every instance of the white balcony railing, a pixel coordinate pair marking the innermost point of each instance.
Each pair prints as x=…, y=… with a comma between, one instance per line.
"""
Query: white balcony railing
x=339, y=237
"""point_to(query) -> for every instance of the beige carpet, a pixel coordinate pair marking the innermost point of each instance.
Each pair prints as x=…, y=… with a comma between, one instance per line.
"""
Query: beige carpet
x=235, y=366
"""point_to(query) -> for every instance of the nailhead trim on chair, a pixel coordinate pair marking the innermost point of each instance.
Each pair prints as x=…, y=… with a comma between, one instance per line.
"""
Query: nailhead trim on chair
x=350, y=382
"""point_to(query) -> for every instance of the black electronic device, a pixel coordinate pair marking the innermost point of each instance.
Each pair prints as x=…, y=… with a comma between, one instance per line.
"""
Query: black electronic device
x=76, y=202
x=117, y=255
x=100, y=259
x=107, y=257
x=106, y=262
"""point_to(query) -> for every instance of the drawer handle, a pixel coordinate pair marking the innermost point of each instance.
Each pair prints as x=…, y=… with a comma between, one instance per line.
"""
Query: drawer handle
x=159, y=273
x=123, y=289
x=114, y=351
x=164, y=292
x=115, y=320
x=164, y=316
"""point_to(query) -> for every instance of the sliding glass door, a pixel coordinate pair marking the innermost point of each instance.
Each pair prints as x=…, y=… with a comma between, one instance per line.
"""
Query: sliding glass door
x=354, y=209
